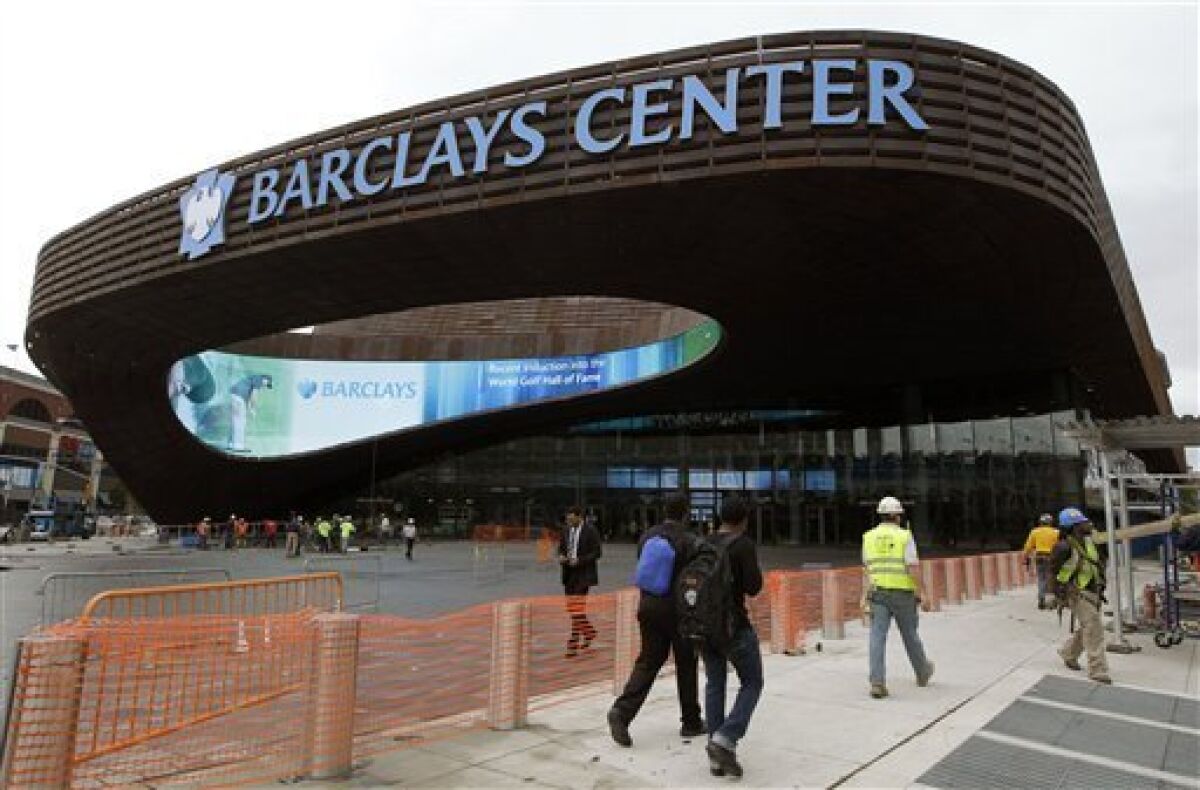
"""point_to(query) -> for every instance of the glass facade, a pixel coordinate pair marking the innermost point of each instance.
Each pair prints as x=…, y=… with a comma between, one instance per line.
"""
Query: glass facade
x=970, y=483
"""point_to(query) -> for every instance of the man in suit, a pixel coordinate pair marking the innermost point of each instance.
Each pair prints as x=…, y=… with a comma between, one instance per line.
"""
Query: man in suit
x=578, y=550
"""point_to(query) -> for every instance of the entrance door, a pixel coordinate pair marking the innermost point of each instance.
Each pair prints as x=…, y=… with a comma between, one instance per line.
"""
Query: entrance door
x=764, y=524
x=819, y=524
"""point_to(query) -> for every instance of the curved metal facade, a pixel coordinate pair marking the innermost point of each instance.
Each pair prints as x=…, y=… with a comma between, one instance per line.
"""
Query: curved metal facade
x=844, y=262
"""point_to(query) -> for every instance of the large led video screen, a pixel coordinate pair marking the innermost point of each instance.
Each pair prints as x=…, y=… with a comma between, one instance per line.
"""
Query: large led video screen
x=266, y=407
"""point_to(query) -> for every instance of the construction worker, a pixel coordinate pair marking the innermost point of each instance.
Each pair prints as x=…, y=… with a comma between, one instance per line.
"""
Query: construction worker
x=893, y=583
x=347, y=530
x=1038, y=545
x=324, y=528
x=1080, y=584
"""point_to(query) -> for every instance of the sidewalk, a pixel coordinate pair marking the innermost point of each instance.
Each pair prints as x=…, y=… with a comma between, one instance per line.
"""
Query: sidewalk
x=816, y=726
x=103, y=546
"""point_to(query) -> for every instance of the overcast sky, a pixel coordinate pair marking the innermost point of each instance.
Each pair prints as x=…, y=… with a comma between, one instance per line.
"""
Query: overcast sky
x=102, y=101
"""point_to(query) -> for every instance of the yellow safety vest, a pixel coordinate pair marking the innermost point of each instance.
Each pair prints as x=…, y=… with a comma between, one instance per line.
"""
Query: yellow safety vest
x=883, y=552
x=323, y=528
x=347, y=528
x=1076, y=565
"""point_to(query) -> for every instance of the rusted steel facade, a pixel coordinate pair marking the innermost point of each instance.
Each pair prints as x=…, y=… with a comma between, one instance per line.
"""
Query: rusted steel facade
x=877, y=270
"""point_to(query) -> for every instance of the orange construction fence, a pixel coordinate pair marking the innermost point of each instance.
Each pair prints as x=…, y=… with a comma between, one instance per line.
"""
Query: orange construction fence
x=510, y=532
x=215, y=699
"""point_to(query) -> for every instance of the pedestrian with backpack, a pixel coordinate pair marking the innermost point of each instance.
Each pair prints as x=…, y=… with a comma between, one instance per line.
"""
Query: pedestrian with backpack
x=1079, y=582
x=662, y=553
x=725, y=634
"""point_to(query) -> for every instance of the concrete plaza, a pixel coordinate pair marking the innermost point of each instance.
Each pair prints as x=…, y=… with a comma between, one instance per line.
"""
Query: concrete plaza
x=817, y=727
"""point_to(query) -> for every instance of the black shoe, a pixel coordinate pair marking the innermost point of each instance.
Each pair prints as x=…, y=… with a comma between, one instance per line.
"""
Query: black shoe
x=725, y=759
x=693, y=729
x=715, y=768
x=619, y=729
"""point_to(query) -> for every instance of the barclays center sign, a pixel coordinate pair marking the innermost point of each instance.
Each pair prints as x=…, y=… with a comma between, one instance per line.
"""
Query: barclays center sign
x=346, y=176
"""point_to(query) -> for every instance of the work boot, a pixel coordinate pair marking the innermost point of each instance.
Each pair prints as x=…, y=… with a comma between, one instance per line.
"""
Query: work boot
x=618, y=728
x=693, y=729
x=726, y=759
x=923, y=677
x=878, y=690
x=1100, y=677
x=1070, y=662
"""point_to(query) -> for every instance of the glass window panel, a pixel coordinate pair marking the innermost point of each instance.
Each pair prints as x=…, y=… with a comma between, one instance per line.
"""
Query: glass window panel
x=954, y=437
x=670, y=478
x=620, y=477
x=922, y=439
x=820, y=480
x=889, y=441
x=645, y=477
x=700, y=478
x=783, y=479
x=730, y=480
x=758, y=480
x=993, y=436
x=1033, y=435
x=861, y=443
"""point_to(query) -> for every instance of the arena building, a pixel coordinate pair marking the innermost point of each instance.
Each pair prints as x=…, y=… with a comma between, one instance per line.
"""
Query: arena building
x=812, y=268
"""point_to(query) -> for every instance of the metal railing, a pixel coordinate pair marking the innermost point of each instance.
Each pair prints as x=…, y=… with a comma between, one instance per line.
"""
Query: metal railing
x=361, y=575
x=250, y=597
x=65, y=594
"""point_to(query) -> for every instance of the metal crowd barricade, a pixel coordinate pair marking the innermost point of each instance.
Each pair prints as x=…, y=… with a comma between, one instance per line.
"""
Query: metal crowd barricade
x=361, y=575
x=277, y=595
x=64, y=594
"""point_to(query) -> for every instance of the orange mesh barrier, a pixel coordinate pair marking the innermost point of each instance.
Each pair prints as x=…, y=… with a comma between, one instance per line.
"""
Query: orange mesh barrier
x=505, y=532
x=277, y=595
x=228, y=700
x=547, y=545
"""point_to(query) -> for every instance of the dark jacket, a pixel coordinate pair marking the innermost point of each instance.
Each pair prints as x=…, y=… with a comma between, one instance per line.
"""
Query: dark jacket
x=747, y=574
x=590, y=549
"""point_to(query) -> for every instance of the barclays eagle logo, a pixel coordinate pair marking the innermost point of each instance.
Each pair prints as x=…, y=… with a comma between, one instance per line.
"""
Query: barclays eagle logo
x=203, y=210
x=307, y=388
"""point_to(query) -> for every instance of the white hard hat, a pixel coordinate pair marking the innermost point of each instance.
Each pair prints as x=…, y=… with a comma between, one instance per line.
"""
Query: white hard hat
x=890, y=506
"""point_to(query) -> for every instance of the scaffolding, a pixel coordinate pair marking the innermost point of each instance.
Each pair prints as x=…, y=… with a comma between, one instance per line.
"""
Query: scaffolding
x=1111, y=438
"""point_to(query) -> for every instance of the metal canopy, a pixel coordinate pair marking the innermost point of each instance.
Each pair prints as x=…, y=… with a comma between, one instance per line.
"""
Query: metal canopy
x=1139, y=433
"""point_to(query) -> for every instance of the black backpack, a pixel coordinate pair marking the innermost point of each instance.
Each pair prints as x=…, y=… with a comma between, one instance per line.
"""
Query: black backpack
x=704, y=593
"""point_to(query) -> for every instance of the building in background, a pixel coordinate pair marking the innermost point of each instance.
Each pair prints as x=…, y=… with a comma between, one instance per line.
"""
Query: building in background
x=47, y=459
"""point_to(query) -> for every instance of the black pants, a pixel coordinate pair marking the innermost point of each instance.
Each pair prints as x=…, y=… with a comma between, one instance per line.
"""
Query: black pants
x=660, y=636
x=582, y=630
x=408, y=542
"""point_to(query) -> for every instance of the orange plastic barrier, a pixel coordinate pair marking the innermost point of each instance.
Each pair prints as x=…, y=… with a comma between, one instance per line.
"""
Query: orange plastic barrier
x=255, y=698
x=505, y=532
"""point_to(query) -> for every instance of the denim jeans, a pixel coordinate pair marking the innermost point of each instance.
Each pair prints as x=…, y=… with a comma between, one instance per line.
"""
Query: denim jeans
x=747, y=662
x=902, y=606
x=1043, y=575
